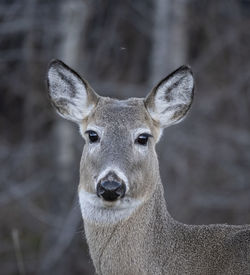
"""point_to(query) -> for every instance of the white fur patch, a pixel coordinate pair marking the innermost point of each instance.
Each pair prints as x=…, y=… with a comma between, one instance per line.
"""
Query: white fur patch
x=140, y=131
x=135, y=134
x=96, y=210
x=99, y=130
x=95, y=128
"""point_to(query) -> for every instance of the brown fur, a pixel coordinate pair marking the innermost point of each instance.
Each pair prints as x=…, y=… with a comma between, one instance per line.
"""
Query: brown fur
x=151, y=242
x=144, y=238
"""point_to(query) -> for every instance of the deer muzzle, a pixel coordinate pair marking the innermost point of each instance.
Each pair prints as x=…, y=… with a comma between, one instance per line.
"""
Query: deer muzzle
x=110, y=190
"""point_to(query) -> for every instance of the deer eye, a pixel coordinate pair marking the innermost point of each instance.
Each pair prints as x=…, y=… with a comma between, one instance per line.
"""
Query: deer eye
x=143, y=139
x=93, y=136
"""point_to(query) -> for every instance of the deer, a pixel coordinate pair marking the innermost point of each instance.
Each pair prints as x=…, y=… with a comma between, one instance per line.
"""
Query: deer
x=127, y=225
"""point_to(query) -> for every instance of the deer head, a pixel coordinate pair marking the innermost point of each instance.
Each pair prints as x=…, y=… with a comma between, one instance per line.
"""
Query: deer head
x=119, y=167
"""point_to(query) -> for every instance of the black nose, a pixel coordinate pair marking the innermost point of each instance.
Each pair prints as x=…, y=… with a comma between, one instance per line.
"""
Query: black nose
x=110, y=190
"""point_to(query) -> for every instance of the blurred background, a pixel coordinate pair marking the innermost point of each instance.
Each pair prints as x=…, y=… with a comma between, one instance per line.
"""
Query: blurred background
x=123, y=48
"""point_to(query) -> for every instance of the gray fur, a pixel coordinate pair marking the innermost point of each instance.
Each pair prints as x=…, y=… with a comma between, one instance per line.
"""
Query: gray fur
x=136, y=234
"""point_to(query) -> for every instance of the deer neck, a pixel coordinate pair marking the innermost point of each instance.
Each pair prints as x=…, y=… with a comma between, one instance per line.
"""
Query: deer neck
x=148, y=228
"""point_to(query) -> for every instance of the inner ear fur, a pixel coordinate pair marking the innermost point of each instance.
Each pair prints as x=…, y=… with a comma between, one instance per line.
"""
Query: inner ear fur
x=72, y=96
x=170, y=100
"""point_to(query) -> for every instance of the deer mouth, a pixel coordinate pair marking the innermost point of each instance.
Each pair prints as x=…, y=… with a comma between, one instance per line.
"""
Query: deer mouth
x=95, y=209
x=121, y=203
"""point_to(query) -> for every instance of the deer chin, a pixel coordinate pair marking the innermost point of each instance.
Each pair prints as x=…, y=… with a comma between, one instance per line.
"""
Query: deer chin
x=96, y=210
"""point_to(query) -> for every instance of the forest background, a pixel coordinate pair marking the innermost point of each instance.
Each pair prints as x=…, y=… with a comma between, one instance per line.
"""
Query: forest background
x=123, y=48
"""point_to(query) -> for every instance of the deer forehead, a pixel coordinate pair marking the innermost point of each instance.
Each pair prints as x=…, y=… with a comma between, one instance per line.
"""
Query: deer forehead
x=121, y=115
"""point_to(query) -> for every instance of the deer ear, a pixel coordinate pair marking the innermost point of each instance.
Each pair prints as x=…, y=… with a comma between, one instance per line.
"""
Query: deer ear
x=71, y=96
x=170, y=100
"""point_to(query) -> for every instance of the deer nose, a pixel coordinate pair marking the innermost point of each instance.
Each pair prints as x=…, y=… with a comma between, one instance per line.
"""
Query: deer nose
x=110, y=190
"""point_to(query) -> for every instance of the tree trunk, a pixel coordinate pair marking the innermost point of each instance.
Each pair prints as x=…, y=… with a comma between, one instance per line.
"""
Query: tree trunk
x=73, y=14
x=169, y=38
